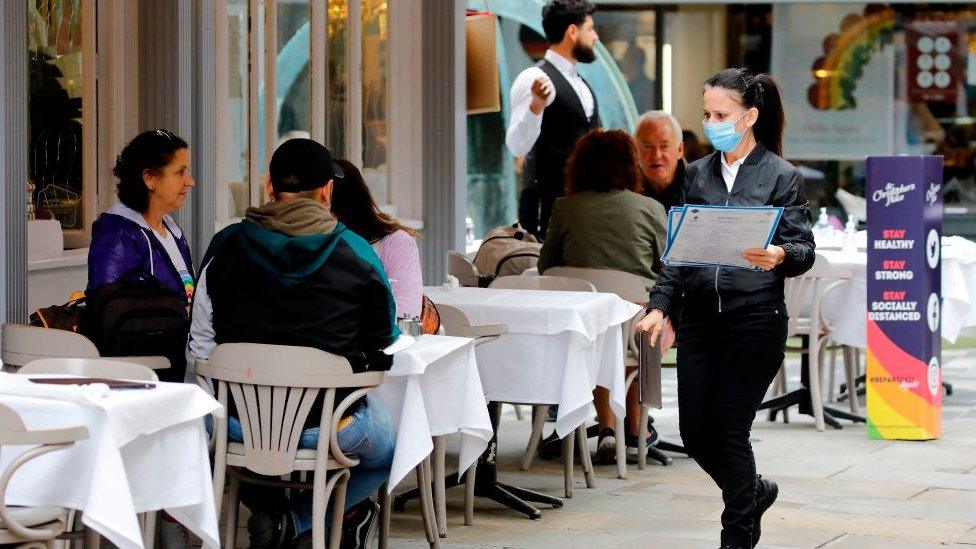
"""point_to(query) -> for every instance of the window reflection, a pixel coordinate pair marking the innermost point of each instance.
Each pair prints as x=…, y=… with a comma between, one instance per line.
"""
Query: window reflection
x=54, y=57
x=237, y=89
x=375, y=98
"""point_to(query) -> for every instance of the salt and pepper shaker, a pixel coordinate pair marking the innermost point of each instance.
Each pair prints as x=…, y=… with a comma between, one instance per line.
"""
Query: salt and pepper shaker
x=410, y=326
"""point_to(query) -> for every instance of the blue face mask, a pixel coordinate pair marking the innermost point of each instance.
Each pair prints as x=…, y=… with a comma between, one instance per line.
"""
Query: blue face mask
x=723, y=135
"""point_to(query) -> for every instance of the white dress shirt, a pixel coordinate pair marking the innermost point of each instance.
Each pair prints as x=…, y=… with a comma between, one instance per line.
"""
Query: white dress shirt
x=524, y=125
x=730, y=171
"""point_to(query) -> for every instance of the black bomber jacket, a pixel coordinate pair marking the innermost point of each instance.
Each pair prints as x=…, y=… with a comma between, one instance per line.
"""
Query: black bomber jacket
x=763, y=179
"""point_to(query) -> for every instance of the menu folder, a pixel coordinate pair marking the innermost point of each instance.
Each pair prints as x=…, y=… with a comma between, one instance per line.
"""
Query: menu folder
x=649, y=371
x=112, y=383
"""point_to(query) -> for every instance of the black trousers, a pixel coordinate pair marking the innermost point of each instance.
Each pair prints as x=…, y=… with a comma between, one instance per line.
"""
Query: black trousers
x=535, y=209
x=726, y=362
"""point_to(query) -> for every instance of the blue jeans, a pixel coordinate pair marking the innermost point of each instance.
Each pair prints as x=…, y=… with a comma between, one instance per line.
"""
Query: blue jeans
x=370, y=436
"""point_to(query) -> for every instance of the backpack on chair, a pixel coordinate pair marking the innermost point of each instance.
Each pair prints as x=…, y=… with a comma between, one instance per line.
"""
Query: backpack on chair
x=138, y=318
x=508, y=250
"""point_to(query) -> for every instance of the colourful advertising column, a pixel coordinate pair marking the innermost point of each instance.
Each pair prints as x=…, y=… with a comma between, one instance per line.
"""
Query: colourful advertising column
x=904, y=373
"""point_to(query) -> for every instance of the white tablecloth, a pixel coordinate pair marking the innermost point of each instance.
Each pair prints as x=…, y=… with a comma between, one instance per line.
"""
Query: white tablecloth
x=559, y=347
x=846, y=307
x=147, y=450
x=434, y=389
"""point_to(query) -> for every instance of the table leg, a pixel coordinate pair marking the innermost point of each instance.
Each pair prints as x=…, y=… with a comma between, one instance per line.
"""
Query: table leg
x=149, y=530
x=486, y=480
x=440, y=490
x=569, y=444
x=469, y=486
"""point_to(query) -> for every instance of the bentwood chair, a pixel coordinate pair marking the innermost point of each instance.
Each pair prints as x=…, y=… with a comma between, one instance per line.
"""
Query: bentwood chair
x=456, y=323
x=632, y=288
x=31, y=526
x=103, y=368
x=23, y=344
x=540, y=411
x=273, y=388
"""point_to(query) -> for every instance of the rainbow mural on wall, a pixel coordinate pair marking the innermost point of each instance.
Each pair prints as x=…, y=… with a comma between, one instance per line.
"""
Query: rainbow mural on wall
x=904, y=293
x=845, y=54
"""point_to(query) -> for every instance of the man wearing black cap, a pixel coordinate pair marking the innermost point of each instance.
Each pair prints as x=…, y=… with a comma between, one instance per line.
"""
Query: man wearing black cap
x=290, y=274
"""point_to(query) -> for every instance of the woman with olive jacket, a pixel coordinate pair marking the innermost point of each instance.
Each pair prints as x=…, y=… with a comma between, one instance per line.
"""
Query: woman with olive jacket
x=731, y=332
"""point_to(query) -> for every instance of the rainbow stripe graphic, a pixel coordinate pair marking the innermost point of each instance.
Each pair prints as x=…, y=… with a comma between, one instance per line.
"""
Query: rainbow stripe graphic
x=845, y=55
x=901, y=402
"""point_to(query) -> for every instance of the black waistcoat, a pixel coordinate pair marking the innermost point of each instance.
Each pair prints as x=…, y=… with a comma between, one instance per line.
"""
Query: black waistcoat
x=563, y=123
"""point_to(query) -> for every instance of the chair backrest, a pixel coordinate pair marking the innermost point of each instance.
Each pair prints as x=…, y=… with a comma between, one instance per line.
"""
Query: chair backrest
x=853, y=204
x=629, y=287
x=806, y=288
x=14, y=433
x=552, y=283
x=22, y=344
x=461, y=268
x=456, y=323
x=90, y=367
x=274, y=388
x=452, y=319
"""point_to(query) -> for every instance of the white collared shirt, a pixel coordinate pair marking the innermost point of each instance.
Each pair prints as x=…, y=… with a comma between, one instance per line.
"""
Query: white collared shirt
x=729, y=171
x=525, y=126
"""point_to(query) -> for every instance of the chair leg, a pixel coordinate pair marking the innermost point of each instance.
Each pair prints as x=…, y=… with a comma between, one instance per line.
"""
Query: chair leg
x=850, y=371
x=336, y=489
x=233, y=493
x=539, y=412
x=469, y=480
x=386, y=502
x=440, y=490
x=815, y=396
x=92, y=539
x=568, y=447
x=320, y=503
x=642, y=439
x=621, y=428
x=149, y=530
x=518, y=412
x=585, y=459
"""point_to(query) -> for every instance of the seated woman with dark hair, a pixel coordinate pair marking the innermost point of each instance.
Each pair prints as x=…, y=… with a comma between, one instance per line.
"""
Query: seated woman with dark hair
x=353, y=205
x=137, y=239
x=605, y=222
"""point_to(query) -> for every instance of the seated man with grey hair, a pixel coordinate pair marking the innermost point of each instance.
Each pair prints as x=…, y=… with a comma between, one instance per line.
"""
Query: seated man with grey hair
x=661, y=150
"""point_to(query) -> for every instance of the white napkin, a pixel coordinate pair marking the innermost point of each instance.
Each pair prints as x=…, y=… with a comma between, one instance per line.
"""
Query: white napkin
x=402, y=342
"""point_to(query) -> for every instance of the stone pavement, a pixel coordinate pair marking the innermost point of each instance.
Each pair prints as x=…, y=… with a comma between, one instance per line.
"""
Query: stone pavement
x=838, y=489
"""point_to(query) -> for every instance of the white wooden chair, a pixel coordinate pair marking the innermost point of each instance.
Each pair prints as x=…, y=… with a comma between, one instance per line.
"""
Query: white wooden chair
x=632, y=288
x=455, y=323
x=23, y=344
x=274, y=388
x=539, y=411
x=103, y=368
x=798, y=291
x=460, y=267
x=31, y=526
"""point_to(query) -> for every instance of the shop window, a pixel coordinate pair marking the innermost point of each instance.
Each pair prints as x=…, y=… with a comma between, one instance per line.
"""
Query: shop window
x=56, y=101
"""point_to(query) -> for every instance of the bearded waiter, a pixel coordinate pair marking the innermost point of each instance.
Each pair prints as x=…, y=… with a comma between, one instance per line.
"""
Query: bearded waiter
x=552, y=107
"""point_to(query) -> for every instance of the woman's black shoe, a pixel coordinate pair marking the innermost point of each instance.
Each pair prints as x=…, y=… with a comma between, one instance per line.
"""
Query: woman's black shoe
x=766, y=492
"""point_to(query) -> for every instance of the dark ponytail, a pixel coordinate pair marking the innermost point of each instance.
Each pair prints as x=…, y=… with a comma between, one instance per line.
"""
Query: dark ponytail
x=763, y=93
